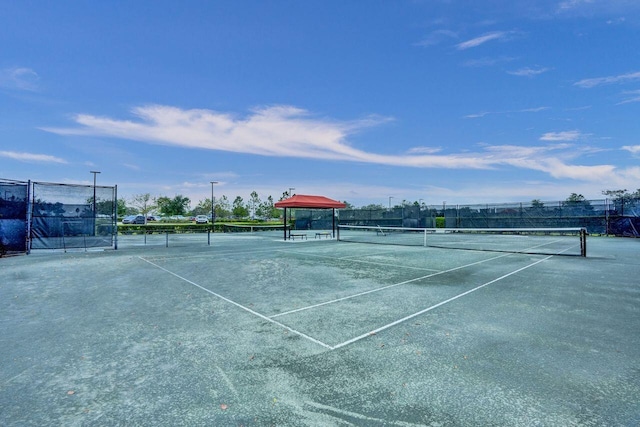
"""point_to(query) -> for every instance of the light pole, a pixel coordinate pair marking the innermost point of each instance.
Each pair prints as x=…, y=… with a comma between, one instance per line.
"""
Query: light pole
x=94, y=190
x=95, y=173
x=213, y=212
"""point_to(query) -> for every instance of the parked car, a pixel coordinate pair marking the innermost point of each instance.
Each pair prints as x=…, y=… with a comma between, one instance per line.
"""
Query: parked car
x=134, y=219
x=201, y=219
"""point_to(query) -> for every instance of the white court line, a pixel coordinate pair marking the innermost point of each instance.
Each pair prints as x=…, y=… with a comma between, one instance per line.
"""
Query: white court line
x=216, y=254
x=359, y=260
x=388, y=286
x=411, y=316
x=255, y=313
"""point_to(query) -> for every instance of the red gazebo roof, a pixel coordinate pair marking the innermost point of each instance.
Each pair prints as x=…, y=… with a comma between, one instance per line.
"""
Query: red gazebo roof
x=311, y=202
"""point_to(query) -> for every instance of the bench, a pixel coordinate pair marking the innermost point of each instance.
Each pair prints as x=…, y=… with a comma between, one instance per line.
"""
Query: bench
x=293, y=236
x=323, y=233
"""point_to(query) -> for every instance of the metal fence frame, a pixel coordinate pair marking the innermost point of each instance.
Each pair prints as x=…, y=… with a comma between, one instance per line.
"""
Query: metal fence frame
x=601, y=216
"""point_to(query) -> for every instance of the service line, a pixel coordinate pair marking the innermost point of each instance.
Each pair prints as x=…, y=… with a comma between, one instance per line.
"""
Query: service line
x=388, y=286
x=255, y=313
x=411, y=316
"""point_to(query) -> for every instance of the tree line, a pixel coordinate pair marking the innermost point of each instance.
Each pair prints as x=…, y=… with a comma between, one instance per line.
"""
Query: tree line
x=222, y=207
x=255, y=207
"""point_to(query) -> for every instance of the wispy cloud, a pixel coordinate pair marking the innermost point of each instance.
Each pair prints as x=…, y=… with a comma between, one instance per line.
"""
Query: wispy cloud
x=623, y=78
x=287, y=131
x=631, y=96
x=487, y=61
x=31, y=157
x=528, y=72
x=566, y=5
x=570, y=135
x=486, y=113
x=424, y=150
x=437, y=37
x=19, y=78
x=553, y=160
x=475, y=42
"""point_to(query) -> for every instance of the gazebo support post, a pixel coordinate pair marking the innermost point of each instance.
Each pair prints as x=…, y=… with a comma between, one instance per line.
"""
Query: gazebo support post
x=285, y=224
x=333, y=223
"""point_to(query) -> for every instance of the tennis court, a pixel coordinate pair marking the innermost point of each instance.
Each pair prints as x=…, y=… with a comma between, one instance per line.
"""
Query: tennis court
x=248, y=329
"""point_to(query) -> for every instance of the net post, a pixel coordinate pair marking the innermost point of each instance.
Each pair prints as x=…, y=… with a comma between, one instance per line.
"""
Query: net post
x=338, y=233
x=425, y=237
x=583, y=242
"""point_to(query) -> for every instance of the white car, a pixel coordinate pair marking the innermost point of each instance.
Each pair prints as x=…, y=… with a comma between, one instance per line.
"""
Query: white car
x=202, y=219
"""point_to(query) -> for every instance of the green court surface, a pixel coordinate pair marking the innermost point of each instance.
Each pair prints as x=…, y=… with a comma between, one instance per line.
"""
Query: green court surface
x=246, y=329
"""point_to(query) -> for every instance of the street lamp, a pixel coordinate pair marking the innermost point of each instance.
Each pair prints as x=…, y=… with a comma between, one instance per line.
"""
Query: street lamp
x=95, y=173
x=213, y=212
x=94, y=190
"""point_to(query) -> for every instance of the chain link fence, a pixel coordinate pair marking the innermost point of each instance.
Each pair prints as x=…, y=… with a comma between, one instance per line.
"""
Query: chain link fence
x=614, y=217
x=14, y=202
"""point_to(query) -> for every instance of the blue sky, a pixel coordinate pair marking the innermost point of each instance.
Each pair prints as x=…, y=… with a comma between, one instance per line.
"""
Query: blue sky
x=434, y=100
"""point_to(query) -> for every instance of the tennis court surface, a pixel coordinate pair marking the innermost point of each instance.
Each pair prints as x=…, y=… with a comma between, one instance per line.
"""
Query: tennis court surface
x=251, y=330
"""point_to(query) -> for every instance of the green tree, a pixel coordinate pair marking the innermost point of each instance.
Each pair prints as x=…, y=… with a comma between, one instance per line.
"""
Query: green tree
x=202, y=208
x=179, y=205
x=222, y=208
x=536, y=203
x=254, y=203
x=144, y=203
x=122, y=207
x=621, y=198
x=574, y=199
x=578, y=204
x=373, y=207
x=285, y=195
x=239, y=209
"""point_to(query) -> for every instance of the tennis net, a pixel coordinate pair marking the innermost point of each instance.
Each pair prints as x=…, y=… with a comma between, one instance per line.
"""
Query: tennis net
x=543, y=241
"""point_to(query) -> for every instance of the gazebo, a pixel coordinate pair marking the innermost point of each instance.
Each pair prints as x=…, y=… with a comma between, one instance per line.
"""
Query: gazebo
x=310, y=202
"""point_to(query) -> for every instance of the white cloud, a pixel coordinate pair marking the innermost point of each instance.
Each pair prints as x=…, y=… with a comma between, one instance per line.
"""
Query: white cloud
x=437, y=37
x=495, y=35
x=528, y=72
x=623, y=78
x=633, y=149
x=632, y=96
x=487, y=61
x=30, y=157
x=20, y=78
x=424, y=150
x=286, y=131
x=572, y=4
x=570, y=135
x=486, y=113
